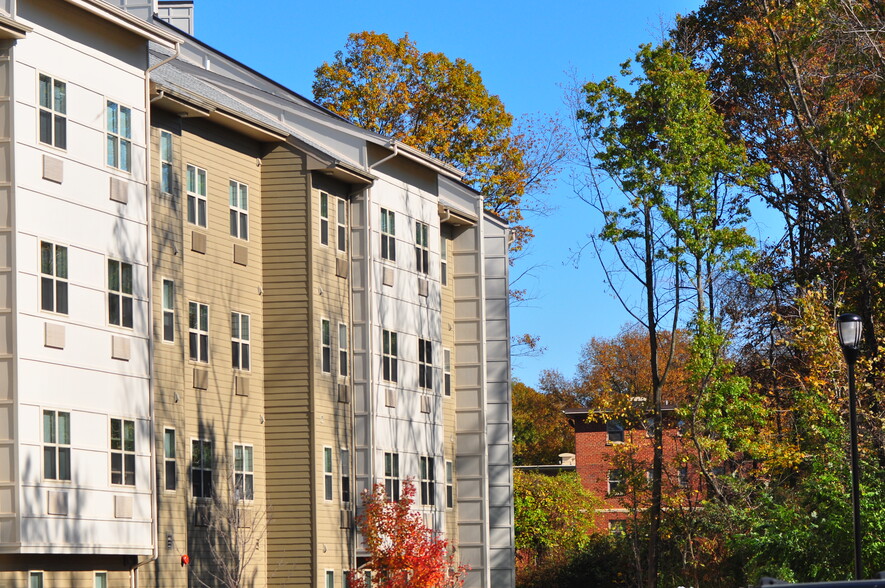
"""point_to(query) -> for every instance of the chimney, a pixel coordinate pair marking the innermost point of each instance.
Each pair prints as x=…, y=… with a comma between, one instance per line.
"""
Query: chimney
x=143, y=9
x=178, y=13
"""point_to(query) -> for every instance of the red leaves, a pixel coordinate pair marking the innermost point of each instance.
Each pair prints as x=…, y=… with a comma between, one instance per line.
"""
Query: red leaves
x=404, y=551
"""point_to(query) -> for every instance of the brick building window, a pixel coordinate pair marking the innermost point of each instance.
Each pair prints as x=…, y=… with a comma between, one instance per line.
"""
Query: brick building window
x=614, y=432
x=615, y=482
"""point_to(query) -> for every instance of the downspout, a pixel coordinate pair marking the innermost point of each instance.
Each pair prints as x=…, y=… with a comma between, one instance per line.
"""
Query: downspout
x=391, y=156
x=155, y=548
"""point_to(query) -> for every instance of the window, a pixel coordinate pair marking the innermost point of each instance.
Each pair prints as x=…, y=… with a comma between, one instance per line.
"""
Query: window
x=119, y=126
x=168, y=311
x=244, y=476
x=443, y=259
x=614, y=432
x=196, y=196
x=421, y=250
x=53, y=277
x=56, y=445
x=101, y=580
x=391, y=476
x=649, y=427
x=683, y=477
x=166, y=162
x=617, y=528
x=324, y=218
x=388, y=357
x=120, y=293
x=450, y=486
x=388, y=235
x=326, y=333
x=201, y=468
x=447, y=372
x=53, y=111
x=123, y=452
x=239, y=341
x=35, y=579
x=342, y=225
x=428, y=485
x=615, y=482
x=425, y=364
x=239, y=210
x=342, y=350
x=169, y=459
x=327, y=473
x=330, y=579
x=345, y=475
x=198, y=326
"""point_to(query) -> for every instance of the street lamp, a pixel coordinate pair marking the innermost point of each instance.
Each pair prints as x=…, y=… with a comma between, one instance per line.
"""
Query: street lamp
x=850, y=327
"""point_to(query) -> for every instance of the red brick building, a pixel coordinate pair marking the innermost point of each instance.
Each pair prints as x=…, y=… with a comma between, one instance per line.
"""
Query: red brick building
x=596, y=444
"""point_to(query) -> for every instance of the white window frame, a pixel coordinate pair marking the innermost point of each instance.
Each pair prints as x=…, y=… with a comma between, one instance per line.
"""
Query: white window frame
x=123, y=296
x=198, y=336
x=388, y=235
x=166, y=158
x=450, y=485
x=615, y=482
x=51, y=279
x=324, y=218
x=35, y=574
x=328, y=475
x=428, y=480
x=389, y=363
x=341, y=217
x=422, y=251
x=238, y=198
x=117, y=156
x=425, y=364
x=204, y=446
x=96, y=576
x=240, y=341
x=196, y=194
x=54, y=113
x=614, y=432
x=344, y=466
x=168, y=303
x=169, y=459
x=443, y=259
x=391, y=476
x=244, y=472
x=330, y=579
x=126, y=453
x=54, y=445
x=343, y=342
x=447, y=372
x=326, y=345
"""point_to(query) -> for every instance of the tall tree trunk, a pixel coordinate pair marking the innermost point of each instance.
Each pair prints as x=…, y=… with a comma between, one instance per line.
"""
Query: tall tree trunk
x=658, y=456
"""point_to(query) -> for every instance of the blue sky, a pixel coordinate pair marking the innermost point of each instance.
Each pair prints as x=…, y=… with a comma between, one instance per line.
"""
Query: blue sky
x=524, y=51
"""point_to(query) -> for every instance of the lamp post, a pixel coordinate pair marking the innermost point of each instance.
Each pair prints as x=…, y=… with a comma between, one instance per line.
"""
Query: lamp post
x=850, y=327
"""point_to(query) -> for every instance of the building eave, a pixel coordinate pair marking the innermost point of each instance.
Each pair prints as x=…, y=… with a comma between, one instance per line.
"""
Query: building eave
x=124, y=20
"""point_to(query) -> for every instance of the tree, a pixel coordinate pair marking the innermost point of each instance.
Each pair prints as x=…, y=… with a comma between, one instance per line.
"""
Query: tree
x=235, y=531
x=404, y=552
x=540, y=429
x=442, y=107
x=663, y=146
x=554, y=517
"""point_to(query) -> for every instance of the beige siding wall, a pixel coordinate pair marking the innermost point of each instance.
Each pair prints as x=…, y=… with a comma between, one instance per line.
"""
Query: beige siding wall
x=448, y=342
x=221, y=413
x=288, y=362
x=332, y=427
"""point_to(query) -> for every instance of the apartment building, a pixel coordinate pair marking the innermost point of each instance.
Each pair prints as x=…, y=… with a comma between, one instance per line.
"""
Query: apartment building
x=596, y=445
x=250, y=311
x=76, y=405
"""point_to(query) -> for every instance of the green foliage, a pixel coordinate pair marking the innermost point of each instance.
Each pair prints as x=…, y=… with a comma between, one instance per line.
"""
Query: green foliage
x=551, y=514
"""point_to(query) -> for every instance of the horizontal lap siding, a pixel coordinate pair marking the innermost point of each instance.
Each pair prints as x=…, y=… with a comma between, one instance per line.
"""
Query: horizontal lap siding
x=285, y=211
x=215, y=414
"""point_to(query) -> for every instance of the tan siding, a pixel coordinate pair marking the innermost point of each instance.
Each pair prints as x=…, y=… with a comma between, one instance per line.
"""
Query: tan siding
x=215, y=414
x=286, y=300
